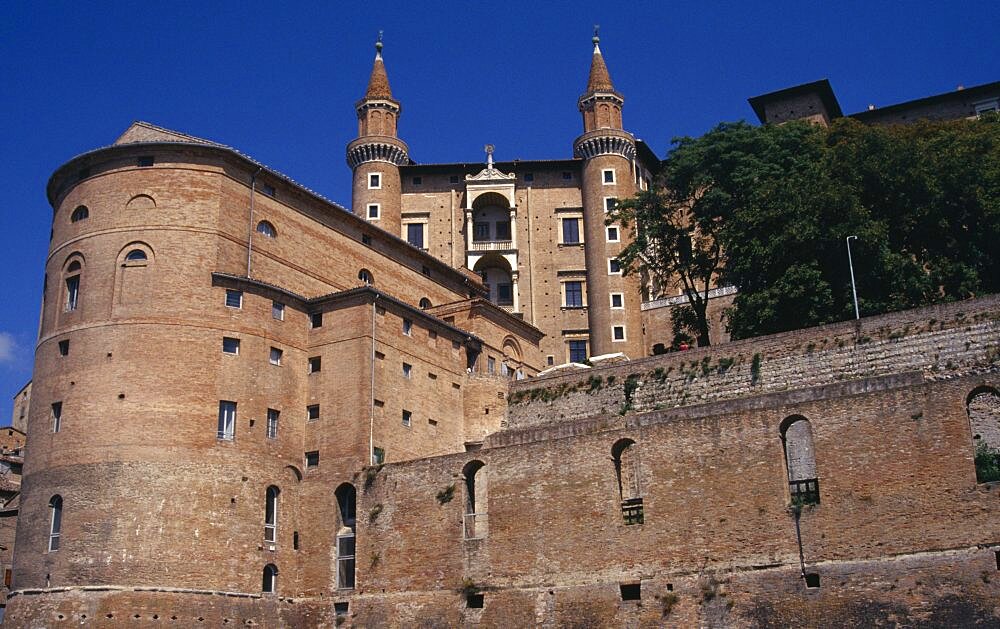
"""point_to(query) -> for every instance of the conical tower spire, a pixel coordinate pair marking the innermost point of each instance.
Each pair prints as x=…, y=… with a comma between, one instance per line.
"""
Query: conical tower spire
x=600, y=80
x=378, y=83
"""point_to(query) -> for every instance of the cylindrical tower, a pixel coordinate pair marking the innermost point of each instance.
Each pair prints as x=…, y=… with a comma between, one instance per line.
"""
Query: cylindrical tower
x=608, y=153
x=376, y=154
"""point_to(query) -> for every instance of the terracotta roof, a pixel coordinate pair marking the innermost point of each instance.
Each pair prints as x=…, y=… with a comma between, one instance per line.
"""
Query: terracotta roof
x=378, y=83
x=600, y=80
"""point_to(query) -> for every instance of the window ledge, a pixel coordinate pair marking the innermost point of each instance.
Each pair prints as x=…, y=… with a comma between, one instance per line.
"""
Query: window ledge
x=571, y=244
x=573, y=307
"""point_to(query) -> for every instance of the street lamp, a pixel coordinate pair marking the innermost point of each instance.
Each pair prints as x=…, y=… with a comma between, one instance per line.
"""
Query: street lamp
x=854, y=290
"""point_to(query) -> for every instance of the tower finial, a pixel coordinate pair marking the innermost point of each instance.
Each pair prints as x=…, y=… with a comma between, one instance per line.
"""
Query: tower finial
x=489, y=148
x=597, y=34
x=378, y=45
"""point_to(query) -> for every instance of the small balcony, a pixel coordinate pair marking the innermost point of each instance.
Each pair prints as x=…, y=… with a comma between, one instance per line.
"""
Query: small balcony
x=492, y=245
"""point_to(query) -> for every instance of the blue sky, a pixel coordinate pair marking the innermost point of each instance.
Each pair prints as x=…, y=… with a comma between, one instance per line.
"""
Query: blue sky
x=279, y=81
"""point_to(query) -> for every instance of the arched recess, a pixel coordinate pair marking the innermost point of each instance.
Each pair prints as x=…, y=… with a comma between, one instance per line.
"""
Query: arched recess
x=134, y=283
x=491, y=218
x=625, y=455
x=80, y=213
x=347, y=497
x=495, y=271
x=425, y=303
x=141, y=202
x=476, y=523
x=269, y=579
x=800, y=460
x=266, y=229
x=366, y=277
x=983, y=408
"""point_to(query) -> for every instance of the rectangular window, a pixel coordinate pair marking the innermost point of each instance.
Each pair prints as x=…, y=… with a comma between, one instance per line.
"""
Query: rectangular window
x=407, y=371
x=608, y=176
x=614, y=267
x=378, y=455
x=312, y=459
x=618, y=301
x=56, y=416
x=145, y=161
x=374, y=211
x=567, y=175
x=278, y=310
x=610, y=203
x=613, y=234
x=407, y=417
x=491, y=365
x=577, y=351
x=503, y=230
x=618, y=333
x=266, y=189
x=417, y=181
x=505, y=294
x=366, y=239
x=550, y=360
x=453, y=179
x=275, y=356
x=316, y=320
x=230, y=345
x=272, y=423
x=64, y=347
x=345, y=561
x=234, y=298
x=312, y=412
x=574, y=294
x=571, y=231
x=315, y=364
x=72, y=292
x=227, y=420
x=374, y=181
x=415, y=234
x=481, y=231
x=407, y=327
x=529, y=177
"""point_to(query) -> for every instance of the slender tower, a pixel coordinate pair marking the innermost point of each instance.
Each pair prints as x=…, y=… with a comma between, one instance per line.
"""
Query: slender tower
x=608, y=151
x=376, y=154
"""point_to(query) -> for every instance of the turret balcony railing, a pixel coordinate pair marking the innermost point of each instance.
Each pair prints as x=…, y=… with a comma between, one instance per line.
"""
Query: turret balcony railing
x=492, y=245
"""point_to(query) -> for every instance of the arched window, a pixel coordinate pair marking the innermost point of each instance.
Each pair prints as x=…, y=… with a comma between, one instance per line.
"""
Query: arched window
x=81, y=212
x=476, y=524
x=625, y=454
x=983, y=408
x=136, y=255
x=73, y=272
x=800, y=460
x=271, y=514
x=269, y=584
x=55, y=522
x=366, y=276
x=425, y=303
x=267, y=229
x=346, y=506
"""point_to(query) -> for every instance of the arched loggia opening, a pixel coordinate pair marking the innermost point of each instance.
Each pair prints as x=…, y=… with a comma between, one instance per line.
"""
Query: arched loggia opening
x=495, y=271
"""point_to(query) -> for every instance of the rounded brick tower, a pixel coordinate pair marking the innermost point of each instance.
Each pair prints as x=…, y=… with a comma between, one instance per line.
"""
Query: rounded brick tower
x=376, y=154
x=608, y=152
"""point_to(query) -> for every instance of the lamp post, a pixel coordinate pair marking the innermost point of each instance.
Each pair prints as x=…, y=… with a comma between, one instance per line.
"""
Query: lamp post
x=854, y=290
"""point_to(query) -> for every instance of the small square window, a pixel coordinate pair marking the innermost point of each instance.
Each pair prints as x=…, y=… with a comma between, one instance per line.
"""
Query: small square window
x=426, y=270
x=374, y=181
x=617, y=300
x=234, y=298
x=567, y=174
x=373, y=211
x=64, y=347
x=275, y=356
x=613, y=234
x=145, y=161
x=407, y=417
x=475, y=601
x=550, y=360
x=610, y=203
x=230, y=345
x=630, y=591
x=366, y=239
x=608, y=176
x=312, y=412
x=418, y=181
x=315, y=364
x=407, y=371
x=453, y=179
x=614, y=267
x=266, y=189
x=378, y=455
x=312, y=459
x=407, y=327
x=529, y=177
x=316, y=320
x=278, y=310
x=618, y=333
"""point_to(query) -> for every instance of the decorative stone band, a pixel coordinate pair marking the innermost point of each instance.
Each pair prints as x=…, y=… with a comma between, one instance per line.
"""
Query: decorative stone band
x=592, y=98
x=376, y=149
x=391, y=105
x=604, y=142
x=713, y=293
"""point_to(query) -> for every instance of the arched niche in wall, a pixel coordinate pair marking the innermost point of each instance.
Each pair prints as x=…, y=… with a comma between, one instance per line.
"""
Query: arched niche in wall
x=133, y=281
x=141, y=202
x=983, y=408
